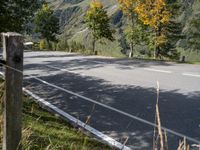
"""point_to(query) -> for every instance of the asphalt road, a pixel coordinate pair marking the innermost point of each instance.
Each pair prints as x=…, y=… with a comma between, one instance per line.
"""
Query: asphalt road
x=127, y=85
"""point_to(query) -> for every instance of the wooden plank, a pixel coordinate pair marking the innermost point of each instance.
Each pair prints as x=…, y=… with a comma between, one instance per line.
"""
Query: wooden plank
x=13, y=55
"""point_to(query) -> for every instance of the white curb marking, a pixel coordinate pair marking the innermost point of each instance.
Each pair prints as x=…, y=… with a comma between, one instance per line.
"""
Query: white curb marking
x=99, y=134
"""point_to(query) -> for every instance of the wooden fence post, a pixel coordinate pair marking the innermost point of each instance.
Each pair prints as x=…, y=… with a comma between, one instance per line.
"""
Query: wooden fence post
x=13, y=55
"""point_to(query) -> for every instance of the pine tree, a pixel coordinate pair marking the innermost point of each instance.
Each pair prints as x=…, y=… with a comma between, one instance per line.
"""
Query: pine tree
x=173, y=31
x=194, y=34
x=97, y=21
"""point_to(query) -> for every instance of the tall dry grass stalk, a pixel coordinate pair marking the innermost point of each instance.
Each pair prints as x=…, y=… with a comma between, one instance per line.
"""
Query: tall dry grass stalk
x=124, y=143
x=25, y=141
x=195, y=145
x=160, y=140
x=159, y=137
x=183, y=145
x=88, y=118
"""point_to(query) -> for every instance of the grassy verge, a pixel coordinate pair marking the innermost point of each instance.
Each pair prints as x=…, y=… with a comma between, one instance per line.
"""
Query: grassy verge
x=194, y=62
x=42, y=130
x=166, y=60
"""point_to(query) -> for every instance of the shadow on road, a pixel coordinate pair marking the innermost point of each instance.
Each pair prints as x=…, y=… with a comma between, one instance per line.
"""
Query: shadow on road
x=91, y=62
x=178, y=112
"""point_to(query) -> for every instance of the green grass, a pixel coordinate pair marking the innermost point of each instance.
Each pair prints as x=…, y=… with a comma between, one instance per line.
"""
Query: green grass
x=194, y=62
x=43, y=130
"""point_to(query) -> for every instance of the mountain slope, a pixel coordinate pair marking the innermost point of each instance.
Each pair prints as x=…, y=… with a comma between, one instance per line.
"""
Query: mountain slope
x=71, y=15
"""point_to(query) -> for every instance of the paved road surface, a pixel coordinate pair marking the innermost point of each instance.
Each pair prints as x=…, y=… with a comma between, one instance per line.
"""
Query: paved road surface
x=128, y=85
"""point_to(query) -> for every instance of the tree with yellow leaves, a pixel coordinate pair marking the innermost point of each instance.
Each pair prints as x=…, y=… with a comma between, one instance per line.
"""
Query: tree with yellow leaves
x=98, y=23
x=155, y=14
x=128, y=8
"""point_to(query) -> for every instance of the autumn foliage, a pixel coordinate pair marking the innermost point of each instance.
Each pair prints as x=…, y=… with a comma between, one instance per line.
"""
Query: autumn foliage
x=153, y=13
x=95, y=5
x=128, y=6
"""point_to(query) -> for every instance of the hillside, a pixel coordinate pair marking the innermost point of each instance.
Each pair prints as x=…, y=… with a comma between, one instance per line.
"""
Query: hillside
x=71, y=15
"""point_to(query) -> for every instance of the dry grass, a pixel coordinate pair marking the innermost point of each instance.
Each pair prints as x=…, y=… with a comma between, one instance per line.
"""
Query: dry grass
x=160, y=136
x=183, y=145
x=160, y=140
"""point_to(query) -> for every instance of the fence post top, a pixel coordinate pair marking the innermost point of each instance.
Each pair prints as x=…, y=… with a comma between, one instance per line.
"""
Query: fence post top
x=11, y=34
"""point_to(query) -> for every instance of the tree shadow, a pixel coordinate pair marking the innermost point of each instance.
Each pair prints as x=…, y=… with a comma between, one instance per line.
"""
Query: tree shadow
x=178, y=112
x=80, y=62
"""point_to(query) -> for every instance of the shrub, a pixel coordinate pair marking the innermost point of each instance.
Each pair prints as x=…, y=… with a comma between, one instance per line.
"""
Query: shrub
x=76, y=47
x=42, y=44
x=62, y=45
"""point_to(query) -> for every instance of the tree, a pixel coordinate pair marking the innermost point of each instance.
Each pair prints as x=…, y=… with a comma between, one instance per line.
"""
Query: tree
x=128, y=8
x=46, y=23
x=136, y=35
x=155, y=14
x=15, y=14
x=97, y=21
x=173, y=31
x=194, y=34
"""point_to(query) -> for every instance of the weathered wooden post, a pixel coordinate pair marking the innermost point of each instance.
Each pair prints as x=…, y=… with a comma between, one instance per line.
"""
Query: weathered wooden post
x=13, y=55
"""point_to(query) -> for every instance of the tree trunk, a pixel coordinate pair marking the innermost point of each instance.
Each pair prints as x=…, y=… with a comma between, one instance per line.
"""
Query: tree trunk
x=158, y=52
x=131, y=52
x=94, y=46
x=132, y=39
x=157, y=49
x=155, y=52
x=48, y=44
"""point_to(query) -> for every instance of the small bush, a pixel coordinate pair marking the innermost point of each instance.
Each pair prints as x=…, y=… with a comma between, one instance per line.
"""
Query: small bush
x=77, y=47
x=42, y=44
x=53, y=46
x=62, y=45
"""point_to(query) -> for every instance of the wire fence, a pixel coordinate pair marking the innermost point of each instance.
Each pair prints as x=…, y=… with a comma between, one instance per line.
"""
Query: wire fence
x=96, y=103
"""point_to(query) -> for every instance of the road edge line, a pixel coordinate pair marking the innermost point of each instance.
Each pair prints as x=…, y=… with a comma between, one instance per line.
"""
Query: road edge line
x=104, y=138
x=74, y=120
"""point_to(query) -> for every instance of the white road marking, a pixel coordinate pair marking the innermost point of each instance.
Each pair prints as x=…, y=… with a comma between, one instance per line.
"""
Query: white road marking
x=99, y=62
x=156, y=70
x=92, y=130
x=113, y=109
x=116, y=110
x=64, y=70
x=191, y=75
